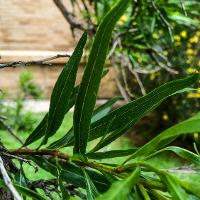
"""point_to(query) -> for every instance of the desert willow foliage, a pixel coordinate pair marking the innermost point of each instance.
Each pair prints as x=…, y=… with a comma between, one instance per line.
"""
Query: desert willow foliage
x=87, y=169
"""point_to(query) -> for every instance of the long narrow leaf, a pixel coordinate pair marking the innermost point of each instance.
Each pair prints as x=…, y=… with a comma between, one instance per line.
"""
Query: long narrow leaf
x=188, y=126
x=183, y=153
x=121, y=189
x=91, y=79
x=99, y=113
x=92, y=191
x=173, y=186
x=30, y=193
x=62, y=90
x=111, y=154
x=129, y=114
x=39, y=131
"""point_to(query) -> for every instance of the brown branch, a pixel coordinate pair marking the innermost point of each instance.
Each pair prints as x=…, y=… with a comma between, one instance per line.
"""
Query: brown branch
x=44, y=61
x=68, y=16
x=41, y=152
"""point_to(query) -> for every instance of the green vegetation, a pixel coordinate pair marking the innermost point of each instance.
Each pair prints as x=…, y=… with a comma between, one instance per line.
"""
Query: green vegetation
x=87, y=171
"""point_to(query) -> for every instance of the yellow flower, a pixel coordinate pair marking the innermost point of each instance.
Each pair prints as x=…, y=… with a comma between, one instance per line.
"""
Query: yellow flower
x=198, y=33
x=193, y=95
x=165, y=117
x=190, y=59
x=191, y=70
x=123, y=19
x=177, y=44
x=194, y=39
x=190, y=52
x=177, y=38
x=198, y=90
x=196, y=136
x=152, y=76
x=183, y=34
x=155, y=36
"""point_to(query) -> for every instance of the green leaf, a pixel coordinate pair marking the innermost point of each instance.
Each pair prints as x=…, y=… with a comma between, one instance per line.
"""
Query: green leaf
x=190, y=187
x=100, y=112
x=92, y=191
x=104, y=109
x=28, y=192
x=72, y=173
x=121, y=189
x=183, y=153
x=111, y=154
x=126, y=116
x=188, y=126
x=173, y=186
x=91, y=79
x=39, y=131
x=62, y=91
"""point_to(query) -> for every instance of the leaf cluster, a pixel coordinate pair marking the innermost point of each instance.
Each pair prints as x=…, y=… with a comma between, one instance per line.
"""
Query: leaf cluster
x=84, y=174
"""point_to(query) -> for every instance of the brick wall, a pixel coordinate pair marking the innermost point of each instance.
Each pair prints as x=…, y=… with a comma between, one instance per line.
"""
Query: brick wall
x=33, y=25
x=35, y=29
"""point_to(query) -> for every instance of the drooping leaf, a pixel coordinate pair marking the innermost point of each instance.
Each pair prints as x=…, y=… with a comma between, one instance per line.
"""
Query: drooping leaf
x=30, y=193
x=173, y=186
x=183, y=153
x=188, y=126
x=126, y=116
x=121, y=189
x=39, y=131
x=92, y=191
x=110, y=154
x=100, y=112
x=190, y=187
x=62, y=91
x=72, y=173
x=91, y=79
x=104, y=109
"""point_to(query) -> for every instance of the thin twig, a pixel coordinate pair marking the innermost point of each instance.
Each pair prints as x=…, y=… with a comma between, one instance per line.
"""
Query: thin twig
x=8, y=181
x=183, y=7
x=44, y=61
x=68, y=16
x=8, y=128
x=163, y=19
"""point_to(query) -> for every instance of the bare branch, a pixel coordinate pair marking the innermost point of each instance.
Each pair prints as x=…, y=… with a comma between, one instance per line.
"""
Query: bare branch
x=44, y=61
x=68, y=16
x=163, y=19
x=8, y=181
x=8, y=128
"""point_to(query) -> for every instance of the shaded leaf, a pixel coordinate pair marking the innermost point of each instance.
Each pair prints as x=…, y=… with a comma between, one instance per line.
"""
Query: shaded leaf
x=28, y=192
x=62, y=91
x=121, y=189
x=72, y=173
x=91, y=78
x=92, y=191
x=188, y=126
x=183, y=153
x=110, y=154
x=125, y=117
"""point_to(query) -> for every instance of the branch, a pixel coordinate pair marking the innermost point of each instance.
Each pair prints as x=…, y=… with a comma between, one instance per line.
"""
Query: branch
x=10, y=131
x=68, y=16
x=41, y=152
x=8, y=181
x=163, y=19
x=37, y=62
